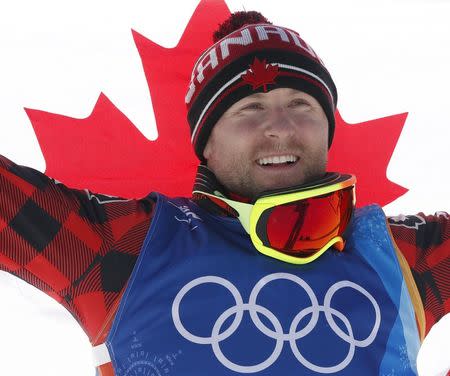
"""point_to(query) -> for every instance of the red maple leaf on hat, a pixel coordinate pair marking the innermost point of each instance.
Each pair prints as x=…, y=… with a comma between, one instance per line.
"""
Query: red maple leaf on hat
x=106, y=153
x=260, y=74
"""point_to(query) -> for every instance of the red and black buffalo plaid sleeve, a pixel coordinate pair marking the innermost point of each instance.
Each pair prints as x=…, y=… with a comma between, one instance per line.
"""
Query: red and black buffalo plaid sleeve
x=77, y=247
x=425, y=243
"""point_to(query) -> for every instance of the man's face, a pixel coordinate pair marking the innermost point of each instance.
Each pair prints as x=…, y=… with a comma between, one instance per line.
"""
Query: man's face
x=269, y=141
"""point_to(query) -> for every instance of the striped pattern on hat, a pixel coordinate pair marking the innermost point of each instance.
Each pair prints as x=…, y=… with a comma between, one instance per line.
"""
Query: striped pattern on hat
x=255, y=58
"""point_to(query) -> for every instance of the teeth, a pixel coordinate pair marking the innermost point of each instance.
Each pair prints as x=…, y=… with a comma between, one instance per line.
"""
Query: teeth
x=277, y=160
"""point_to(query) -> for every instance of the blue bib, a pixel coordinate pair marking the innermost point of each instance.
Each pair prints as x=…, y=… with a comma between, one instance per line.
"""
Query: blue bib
x=202, y=301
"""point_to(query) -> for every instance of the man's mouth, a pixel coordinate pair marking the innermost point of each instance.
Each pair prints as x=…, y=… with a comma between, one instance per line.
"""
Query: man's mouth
x=278, y=160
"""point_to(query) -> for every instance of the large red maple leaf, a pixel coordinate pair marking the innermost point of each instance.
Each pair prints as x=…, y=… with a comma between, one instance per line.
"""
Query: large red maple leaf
x=106, y=153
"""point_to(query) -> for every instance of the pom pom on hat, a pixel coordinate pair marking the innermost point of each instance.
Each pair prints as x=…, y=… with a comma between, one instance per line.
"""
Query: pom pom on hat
x=246, y=44
x=236, y=21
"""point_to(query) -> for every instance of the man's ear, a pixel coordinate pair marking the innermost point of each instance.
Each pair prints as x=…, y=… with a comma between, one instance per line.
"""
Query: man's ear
x=207, y=151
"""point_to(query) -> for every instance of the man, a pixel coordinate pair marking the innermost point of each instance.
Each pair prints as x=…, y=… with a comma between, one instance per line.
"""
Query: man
x=207, y=289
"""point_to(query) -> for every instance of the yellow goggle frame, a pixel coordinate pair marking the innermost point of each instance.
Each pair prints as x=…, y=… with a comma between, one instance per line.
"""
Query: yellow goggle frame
x=249, y=215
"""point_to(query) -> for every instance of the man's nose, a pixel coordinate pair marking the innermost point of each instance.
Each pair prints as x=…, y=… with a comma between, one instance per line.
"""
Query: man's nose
x=279, y=125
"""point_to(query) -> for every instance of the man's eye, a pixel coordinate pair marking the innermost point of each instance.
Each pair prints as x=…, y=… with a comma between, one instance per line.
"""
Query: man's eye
x=299, y=102
x=253, y=106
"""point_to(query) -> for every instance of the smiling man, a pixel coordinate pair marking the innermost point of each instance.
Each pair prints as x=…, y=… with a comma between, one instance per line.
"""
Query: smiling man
x=268, y=269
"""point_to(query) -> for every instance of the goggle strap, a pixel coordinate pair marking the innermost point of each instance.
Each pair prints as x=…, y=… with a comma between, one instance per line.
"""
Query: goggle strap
x=244, y=210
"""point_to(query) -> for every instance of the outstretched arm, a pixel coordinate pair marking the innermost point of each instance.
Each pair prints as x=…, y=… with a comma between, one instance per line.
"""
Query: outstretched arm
x=76, y=246
x=425, y=243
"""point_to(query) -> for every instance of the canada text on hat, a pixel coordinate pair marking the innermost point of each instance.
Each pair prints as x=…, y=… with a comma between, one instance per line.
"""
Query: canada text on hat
x=221, y=50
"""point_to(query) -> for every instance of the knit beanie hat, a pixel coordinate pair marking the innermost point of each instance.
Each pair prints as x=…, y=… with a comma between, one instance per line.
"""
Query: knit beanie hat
x=257, y=57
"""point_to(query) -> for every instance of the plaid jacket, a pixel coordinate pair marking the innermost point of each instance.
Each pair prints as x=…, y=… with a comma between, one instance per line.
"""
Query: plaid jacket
x=80, y=248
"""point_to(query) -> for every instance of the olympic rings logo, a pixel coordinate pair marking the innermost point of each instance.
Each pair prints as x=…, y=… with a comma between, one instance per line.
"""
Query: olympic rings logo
x=277, y=333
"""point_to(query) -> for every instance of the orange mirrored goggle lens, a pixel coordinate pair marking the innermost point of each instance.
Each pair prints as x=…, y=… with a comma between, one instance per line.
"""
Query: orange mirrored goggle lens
x=301, y=228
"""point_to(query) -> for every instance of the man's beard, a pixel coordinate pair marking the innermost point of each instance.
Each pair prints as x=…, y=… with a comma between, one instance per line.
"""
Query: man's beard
x=238, y=178
x=246, y=188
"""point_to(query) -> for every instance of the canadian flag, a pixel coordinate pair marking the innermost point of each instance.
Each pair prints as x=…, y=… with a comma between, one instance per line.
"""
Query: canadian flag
x=92, y=93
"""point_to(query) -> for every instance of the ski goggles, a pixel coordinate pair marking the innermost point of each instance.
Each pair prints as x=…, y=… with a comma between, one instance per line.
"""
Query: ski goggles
x=299, y=224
